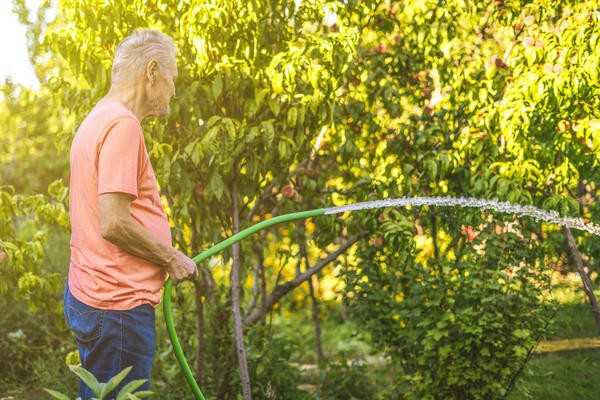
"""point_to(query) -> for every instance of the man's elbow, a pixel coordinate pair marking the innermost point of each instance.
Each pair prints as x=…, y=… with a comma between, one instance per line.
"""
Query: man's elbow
x=111, y=229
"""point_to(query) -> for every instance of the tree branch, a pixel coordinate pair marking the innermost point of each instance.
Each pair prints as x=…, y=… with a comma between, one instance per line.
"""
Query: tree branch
x=281, y=290
x=235, y=299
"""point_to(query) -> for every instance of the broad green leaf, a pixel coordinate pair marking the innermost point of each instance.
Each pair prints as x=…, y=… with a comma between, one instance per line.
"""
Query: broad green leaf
x=114, y=382
x=144, y=394
x=274, y=106
x=139, y=395
x=56, y=394
x=87, y=378
x=130, y=388
x=216, y=186
x=217, y=86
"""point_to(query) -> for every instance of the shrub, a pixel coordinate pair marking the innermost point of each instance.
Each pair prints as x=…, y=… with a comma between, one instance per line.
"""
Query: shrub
x=102, y=390
x=460, y=325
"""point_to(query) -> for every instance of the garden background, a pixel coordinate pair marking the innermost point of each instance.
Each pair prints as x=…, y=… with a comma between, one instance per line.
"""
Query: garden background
x=285, y=106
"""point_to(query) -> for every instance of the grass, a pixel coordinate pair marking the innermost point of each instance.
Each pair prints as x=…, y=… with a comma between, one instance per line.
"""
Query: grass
x=565, y=365
x=561, y=375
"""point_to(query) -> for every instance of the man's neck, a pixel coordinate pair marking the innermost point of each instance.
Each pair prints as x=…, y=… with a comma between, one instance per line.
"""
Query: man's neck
x=131, y=98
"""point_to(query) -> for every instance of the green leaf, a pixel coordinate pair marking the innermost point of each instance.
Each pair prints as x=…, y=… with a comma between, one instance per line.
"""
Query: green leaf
x=277, y=83
x=56, y=395
x=87, y=377
x=269, y=131
x=217, y=87
x=143, y=394
x=57, y=190
x=252, y=134
x=139, y=395
x=114, y=382
x=130, y=388
x=521, y=333
x=445, y=350
x=274, y=106
x=230, y=128
x=215, y=186
x=530, y=55
x=282, y=149
x=431, y=167
x=292, y=116
x=213, y=120
x=260, y=97
x=520, y=351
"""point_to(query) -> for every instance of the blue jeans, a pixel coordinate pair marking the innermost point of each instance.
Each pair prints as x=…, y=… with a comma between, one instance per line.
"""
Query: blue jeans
x=110, y=341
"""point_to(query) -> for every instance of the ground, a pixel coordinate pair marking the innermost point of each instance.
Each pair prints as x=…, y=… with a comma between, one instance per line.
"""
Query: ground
x=564, y=366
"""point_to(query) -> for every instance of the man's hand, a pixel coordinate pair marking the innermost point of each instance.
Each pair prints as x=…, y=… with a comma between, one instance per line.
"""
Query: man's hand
x=181, y=267
x=3, y=256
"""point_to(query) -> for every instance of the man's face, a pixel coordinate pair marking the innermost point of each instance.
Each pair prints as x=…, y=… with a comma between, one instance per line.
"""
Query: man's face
x=163, y=89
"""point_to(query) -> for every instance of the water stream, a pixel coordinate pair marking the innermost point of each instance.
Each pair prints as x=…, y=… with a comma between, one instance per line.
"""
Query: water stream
x=503, y=207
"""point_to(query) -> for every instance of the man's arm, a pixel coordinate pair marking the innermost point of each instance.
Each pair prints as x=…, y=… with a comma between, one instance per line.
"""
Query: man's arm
x=120, y=228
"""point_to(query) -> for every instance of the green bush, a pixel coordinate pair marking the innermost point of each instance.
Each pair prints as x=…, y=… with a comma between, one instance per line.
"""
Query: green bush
x=34, y=234
x=461, y=325
x=103, y=389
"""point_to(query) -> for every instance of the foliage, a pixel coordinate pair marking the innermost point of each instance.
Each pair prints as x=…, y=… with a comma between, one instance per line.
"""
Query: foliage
x=461, y=323
x=102, y=390
x=24, y=237
x=305, y=109
x=499, y=123
x=29, y=279
x=28, y=149
x=436, y=107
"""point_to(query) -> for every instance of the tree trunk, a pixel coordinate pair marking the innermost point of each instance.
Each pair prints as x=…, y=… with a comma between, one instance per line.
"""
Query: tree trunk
x=587, y=283
x=315, y=302
x=263, y=285
x=316, y=321
x=201, y=349
x=259, y=289
x=235, y=300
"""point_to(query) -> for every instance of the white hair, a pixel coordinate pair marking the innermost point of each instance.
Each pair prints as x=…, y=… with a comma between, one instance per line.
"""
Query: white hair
x=137, y=49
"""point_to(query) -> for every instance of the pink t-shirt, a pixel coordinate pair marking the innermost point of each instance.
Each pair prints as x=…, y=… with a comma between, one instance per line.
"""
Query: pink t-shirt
x=108, y=154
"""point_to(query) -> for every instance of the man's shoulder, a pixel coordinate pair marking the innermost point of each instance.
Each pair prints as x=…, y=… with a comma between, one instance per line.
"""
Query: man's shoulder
x=111, y=112
x=104, y=116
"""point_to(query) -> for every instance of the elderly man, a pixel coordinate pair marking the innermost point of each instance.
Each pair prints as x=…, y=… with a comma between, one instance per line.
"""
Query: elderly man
x=121, y=242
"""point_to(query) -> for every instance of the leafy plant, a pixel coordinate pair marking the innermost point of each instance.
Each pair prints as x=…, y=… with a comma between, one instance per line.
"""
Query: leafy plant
x=102, y=390
x=461, y=322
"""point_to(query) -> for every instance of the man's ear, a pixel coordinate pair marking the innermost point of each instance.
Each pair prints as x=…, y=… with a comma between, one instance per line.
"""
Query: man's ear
x=152, y=70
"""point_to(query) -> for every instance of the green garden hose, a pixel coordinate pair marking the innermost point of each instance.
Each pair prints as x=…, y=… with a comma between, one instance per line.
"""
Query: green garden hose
x=503, y=207
x=167, y=294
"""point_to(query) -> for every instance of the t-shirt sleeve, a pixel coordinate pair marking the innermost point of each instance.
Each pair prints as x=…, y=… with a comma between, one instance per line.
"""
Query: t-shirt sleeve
x=119, y=158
